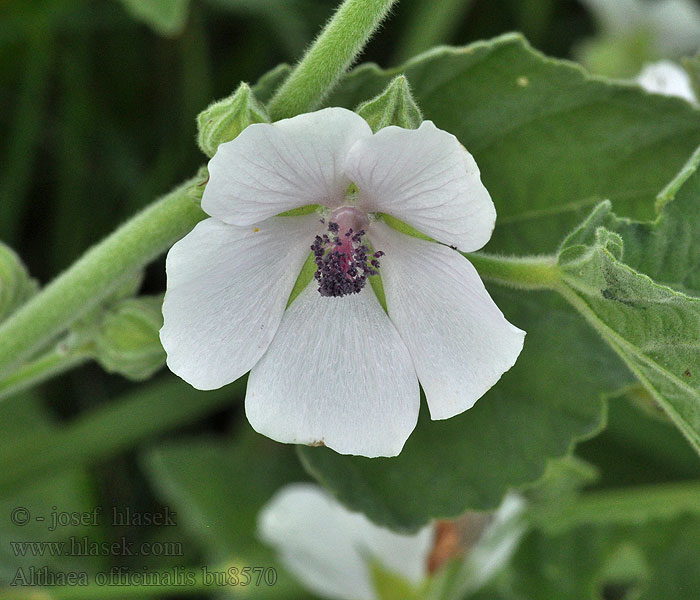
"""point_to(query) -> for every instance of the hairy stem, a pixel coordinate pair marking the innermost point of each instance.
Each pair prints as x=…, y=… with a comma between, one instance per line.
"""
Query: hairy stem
x=52, y=363
x=532, y=273
x=91, y=278
x=334, y=50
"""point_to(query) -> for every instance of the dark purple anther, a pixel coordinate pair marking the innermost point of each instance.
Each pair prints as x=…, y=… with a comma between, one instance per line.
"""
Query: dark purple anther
x=343, y=263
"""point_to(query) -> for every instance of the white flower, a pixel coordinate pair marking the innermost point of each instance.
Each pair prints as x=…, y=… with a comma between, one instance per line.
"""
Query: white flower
x=667, y=78
x=331, y=549
x=334, y=368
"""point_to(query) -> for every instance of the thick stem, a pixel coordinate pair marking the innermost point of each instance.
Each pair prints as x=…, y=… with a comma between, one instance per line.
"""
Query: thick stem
x=532, y=273
x=334, y=50
x=48, y=365
x=91, y=278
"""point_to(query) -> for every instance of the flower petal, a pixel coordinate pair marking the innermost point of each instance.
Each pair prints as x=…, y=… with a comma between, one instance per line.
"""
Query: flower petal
x=227, y=289
x=272, y=168
x=338, y=374
x=329, y=548
x=427, y=179
x=459, y=340
x=667, y=78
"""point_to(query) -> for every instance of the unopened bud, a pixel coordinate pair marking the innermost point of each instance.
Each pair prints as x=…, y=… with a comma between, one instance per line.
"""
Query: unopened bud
x=394, y=106
x=224, y=120
x=126, y=339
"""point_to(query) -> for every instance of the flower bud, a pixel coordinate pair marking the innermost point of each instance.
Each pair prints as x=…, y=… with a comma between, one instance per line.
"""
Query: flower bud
x=394, y=106
x=222, y=121
x=126, y=340
x=16, y=286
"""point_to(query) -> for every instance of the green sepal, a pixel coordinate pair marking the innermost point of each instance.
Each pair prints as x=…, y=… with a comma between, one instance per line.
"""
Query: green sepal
x=223, y=120
x=402, y=227
x=390, y=586
x=305, y=276
x=394, y=106
x=196, y=190
x=126, y=340
x=301, y=211
x=16, y=286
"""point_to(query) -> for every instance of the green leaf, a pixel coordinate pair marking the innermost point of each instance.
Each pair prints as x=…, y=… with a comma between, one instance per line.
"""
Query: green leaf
x=67, y=489
x=218, y=487
x=656, y=560
x=654, y=328
x=560, y=483
x=639, y=447
x=70, y=491
x=166, y=17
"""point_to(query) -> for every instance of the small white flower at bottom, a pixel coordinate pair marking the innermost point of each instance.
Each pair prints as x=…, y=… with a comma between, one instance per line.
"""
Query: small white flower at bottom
x=330, y=549
x=336, y=552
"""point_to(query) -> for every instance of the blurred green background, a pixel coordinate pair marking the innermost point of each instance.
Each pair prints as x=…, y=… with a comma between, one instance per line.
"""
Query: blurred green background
x=97, y=118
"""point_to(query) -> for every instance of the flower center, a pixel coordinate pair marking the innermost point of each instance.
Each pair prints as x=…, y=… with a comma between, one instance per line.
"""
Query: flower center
x=343, y=261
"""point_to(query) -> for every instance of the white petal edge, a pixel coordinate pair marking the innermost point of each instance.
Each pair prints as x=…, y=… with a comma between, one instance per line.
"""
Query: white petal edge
x=272, y=168
x=227, y=290
x=666, y=78
x=427, y=179
x=328, y=547
x=337, y=374
x=458, y=338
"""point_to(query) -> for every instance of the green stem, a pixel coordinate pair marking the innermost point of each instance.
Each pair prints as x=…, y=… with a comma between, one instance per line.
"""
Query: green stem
x=334, y=50
x=53, y=363
x=531, y=272
x=109, y=430
x=91, y=278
